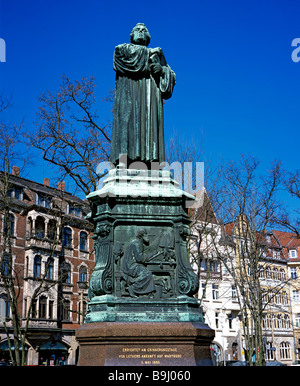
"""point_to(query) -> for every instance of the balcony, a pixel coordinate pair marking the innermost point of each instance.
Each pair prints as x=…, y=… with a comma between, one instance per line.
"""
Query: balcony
x=212, y=275
x=39, y=240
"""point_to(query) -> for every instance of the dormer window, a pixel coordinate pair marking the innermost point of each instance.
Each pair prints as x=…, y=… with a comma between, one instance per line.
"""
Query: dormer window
x=15, y=192
x=293, y=253
x=44, y=201
x=74, y=210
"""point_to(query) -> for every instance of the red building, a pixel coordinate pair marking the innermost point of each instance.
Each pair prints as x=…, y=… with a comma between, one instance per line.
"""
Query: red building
x=52, y=261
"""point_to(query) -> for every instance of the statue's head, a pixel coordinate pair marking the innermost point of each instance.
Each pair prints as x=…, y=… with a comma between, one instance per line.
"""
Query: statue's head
x=140, y=35
x=142, y=235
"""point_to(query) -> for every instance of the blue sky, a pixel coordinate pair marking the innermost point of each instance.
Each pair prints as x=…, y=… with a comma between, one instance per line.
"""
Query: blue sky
x=238, y=90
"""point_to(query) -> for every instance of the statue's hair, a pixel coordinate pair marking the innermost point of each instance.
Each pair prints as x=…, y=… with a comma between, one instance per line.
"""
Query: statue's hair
x=140, y=233
x=148, y=34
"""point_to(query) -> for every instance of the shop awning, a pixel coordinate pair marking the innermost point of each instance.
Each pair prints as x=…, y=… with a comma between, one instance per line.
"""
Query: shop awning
x=54, y=345
x=4, y=346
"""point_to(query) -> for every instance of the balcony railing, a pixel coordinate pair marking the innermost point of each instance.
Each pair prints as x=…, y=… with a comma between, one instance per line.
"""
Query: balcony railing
x=40, y=240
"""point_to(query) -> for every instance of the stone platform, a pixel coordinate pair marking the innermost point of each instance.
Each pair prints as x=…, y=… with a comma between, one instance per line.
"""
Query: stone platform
x=144, y=344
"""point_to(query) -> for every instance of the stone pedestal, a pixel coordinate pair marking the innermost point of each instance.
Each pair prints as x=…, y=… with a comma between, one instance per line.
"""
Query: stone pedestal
x=142, y=308
x=142, y=344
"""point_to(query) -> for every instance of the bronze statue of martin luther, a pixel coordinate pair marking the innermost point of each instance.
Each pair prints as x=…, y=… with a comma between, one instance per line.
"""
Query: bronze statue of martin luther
x=143, y=80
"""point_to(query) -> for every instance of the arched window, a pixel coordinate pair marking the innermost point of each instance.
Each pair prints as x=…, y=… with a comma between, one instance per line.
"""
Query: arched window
x=286, y=322
x=52, y=229
x=67, y=237
x=83, y=241
x=83, y=274
x=40, y=227
x=283, y=275
x=261, y=271
x=37, y=267
x=285, y=350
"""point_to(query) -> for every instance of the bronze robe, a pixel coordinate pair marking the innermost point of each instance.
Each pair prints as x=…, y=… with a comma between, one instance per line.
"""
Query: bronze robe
x=139, y=279
x=138, y=110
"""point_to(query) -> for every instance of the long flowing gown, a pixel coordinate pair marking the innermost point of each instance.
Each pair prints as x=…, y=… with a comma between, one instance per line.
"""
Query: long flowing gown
x=138, y=110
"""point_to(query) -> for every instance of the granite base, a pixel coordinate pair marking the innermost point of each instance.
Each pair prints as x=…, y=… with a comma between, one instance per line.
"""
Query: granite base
x=144, y=344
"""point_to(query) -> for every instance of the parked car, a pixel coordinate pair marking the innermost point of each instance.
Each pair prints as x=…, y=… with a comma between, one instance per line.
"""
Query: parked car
x=296, y=363
x=4, y=362
x=239, y=363
x=275, y=363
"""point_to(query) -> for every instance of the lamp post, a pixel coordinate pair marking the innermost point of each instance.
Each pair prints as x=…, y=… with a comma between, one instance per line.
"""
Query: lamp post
x=82, y=285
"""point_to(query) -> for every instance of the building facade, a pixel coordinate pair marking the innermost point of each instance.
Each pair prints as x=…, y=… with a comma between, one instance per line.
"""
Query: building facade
x=220, y=250
x=52, y=259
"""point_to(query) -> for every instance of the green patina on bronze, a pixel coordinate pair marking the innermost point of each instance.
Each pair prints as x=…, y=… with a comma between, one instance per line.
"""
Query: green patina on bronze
x=142, y=270
x=143, y=80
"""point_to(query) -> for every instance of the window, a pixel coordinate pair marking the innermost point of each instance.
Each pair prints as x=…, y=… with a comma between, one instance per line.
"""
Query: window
x=276, y=254
x=74, y=210
x=49, y=269
x=286, y=322
x=283, y=276
x=261, y=271
x=42, y=307
x=275, y=274
x=83, y=274
x=215, y=291
x=6, y=265
x=296, y=296
x=293, y=273
x=293, y=253
x=203, y=285
x=230, y=318
x=67, y=237
x=9, y=225
x=233, y=292
x=297, y=320
x=270, y=352
x=52, y=229
x=44, y=201
x=33, y=309
x=285, y=350
x=40, y=227
x=66, y=307
x=51, y=304
x=4, y=306
x=37, y=267
x=217, y=319
x=83, y=241
x=66, y=272
x=15, y=192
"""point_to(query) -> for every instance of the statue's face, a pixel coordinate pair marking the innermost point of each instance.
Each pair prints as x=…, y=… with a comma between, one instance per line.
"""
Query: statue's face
x=146, y=239
x=140, y=33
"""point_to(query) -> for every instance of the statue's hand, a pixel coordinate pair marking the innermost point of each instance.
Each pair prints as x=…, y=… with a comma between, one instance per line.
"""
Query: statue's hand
x=156, y=68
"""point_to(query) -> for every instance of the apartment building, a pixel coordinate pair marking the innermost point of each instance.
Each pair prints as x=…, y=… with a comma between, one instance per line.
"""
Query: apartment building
x=52, y=260
x=221, y=248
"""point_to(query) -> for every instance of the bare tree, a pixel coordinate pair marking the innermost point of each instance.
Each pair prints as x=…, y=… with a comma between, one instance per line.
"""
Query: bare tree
x=290, y=219
x=249, y=209
x=69, y=134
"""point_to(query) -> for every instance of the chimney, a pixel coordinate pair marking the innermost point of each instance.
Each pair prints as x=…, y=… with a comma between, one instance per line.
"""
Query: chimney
x=15, y=171
x=46, y=181
x=61, y=185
